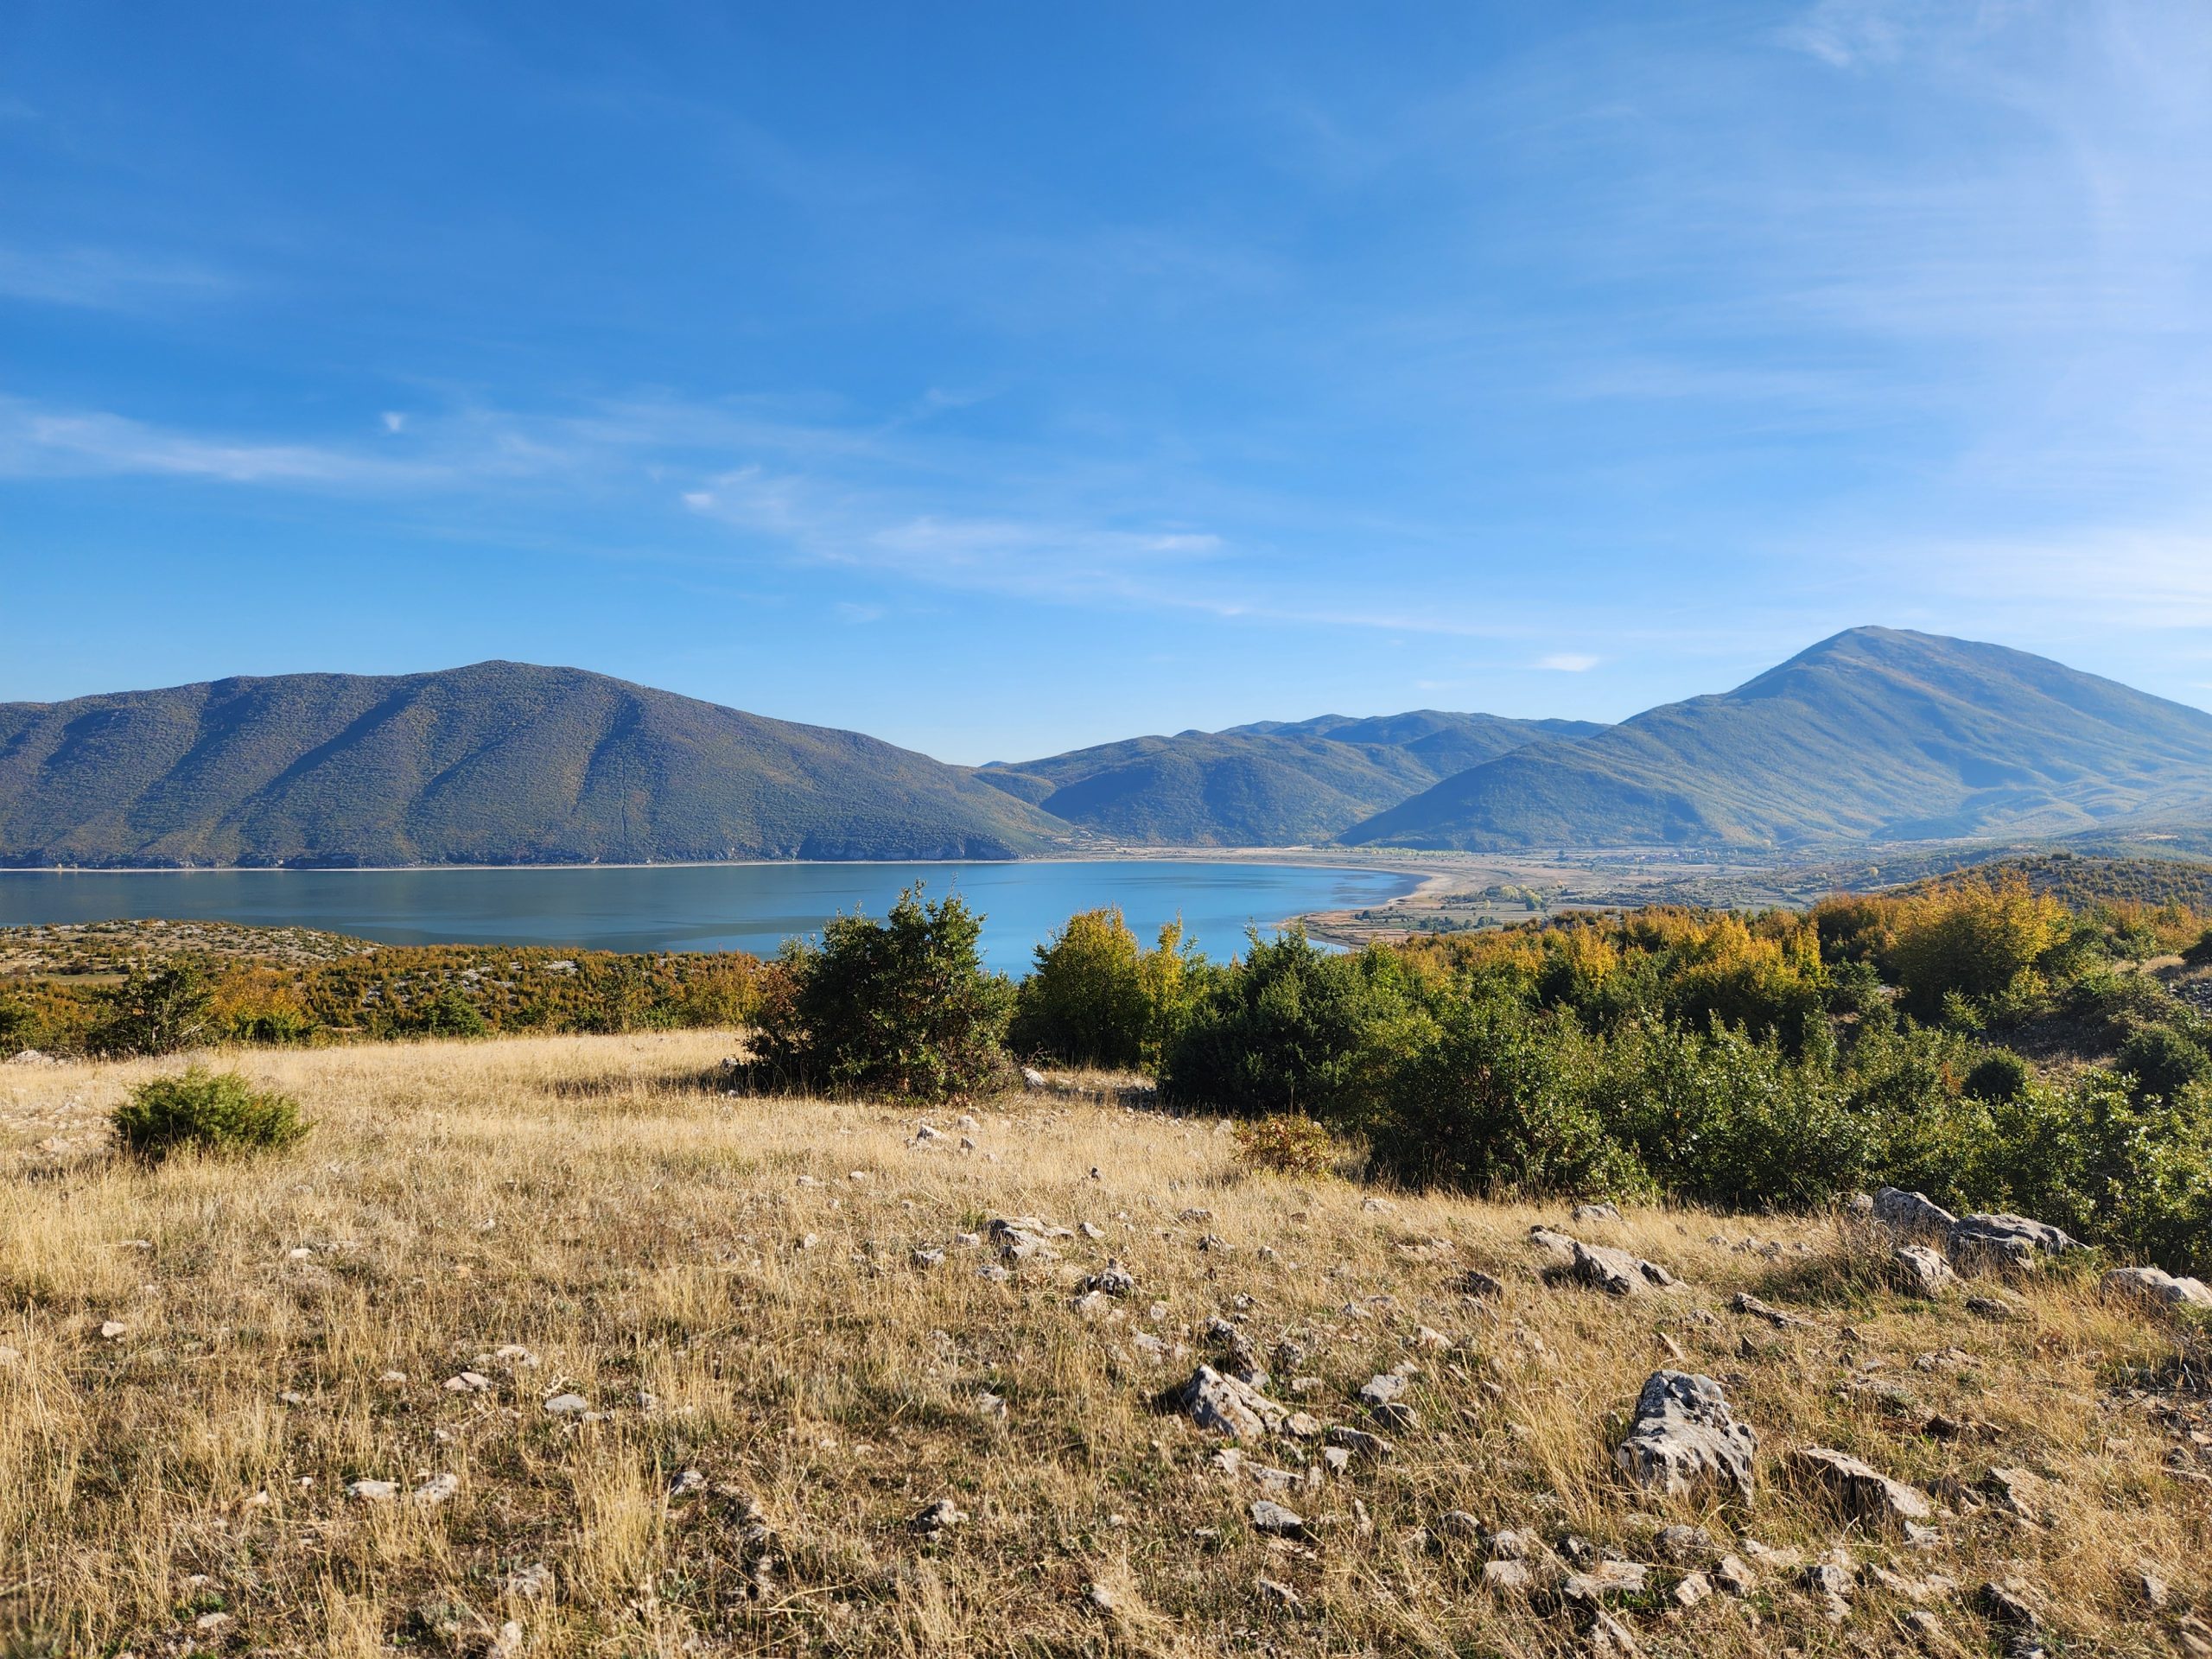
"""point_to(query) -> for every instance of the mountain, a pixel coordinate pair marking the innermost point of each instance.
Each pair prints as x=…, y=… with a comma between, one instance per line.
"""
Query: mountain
x=1876, y=733
x=1273, y=784
x=494, y=764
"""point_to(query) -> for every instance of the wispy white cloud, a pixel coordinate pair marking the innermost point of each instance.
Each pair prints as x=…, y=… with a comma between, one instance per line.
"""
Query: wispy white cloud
x=105, y=279
x=1569, y=662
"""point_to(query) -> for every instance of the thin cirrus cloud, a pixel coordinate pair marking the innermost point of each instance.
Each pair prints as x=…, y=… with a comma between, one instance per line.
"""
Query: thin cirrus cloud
x=1569, y=662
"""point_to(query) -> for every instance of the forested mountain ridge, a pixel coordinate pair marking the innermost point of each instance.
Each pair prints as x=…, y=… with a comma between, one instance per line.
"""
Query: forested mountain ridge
x=1876, y=733
x=496, y=763
x=1270, y=783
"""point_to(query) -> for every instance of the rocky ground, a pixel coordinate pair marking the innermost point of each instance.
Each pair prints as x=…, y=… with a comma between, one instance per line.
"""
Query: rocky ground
x=108, y=947
x=552, y=1346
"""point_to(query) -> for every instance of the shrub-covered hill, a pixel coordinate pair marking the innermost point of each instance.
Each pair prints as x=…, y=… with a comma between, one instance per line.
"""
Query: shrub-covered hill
x=1876, y=733
x=550, y=1348
x=1272, y=783
x=2083, y=883
x=498, y=763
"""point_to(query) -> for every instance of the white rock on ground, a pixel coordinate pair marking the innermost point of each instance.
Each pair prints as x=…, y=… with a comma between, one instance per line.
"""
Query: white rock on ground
x=1914, y=1214
x=1618, y=1272
x=1230, y=1406
x=1859, y=1488
x=2149, y=1284
x=1921, y=1271
x=2004, y=1241
x=1685, y=1439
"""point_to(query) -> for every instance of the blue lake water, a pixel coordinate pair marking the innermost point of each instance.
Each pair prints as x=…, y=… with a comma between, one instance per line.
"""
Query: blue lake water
x=703, y=907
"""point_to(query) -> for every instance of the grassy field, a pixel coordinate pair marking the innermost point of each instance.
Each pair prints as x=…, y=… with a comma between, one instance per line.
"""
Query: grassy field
x=197, y=1361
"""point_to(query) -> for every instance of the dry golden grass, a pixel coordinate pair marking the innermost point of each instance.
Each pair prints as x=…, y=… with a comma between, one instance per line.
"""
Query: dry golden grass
x=593, y=1201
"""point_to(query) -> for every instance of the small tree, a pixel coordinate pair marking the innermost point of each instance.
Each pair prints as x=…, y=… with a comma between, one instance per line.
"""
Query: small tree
x=903, y=1006
x=156, y=1009
x=1084, y=1002
x=210, y=1112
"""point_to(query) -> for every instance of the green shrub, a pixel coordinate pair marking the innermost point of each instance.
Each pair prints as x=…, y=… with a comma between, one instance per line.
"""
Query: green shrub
x=1085, y=1002
x=155, y=1009
x=901, y=1006
x=2000, y=1075
x=276, y=1026
x=1283, y=1030
x=2199, y=954
x=2163, y=1061
x=1288, y=1143
x=1497, y=1098
x=16, y=1022
x=446, y=1012
x=205, y=1111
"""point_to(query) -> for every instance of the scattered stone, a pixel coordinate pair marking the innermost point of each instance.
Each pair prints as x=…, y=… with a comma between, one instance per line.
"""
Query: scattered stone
x=1032, y=1078
x=1590, y=1212
x=1685, y=1439
x=939, y=1516
x=1858, y=1488
x=509, y=1643
x=113, y=1331
x=1825, y=1579
x=1734, y=1577
x=1507, y=1575
x=1272, y=1518
x=1229, y=1406
x=2004, y=1243
x=1282, y=1594
x=1023, y=1238
x=1694, y=1588
x=373, y=1491
x=1616, y=1272
x=686, y=1482
x=924, y=1258
x=1606, y=1578
x=1914, y=1214
x=1921, y=1271
x=1609, y=1637
x=1475, y=1282
x=2152, y=1590
x=437, y=1489
x=1687, y=1546
x=1360, y=1443
x=2149, y=1284
x=567, y=1405
x=1105, y=1598
x=1747, y=1303
x=1995, y=1311
x=2006, y=1604
x=1090, y=1229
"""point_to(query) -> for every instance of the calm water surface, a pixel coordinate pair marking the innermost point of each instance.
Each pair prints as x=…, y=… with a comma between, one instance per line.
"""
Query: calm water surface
x=711, y=907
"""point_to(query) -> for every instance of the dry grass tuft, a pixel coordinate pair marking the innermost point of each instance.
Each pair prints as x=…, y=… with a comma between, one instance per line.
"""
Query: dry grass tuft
x=774, y=1391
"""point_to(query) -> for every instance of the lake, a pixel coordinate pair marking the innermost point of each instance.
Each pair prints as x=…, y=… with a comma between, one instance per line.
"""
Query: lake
x=703, y=907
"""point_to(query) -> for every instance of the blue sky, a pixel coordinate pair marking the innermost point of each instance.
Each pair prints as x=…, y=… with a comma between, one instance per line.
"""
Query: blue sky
x=1000, y=378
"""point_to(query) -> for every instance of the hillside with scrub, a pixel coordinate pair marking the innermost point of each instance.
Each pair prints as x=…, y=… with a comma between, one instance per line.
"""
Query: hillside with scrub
x=1672, y=1282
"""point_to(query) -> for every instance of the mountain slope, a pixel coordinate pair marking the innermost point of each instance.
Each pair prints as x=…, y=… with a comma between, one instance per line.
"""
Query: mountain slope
x=1876, y=733
x=497, y=763
x=1272, y=783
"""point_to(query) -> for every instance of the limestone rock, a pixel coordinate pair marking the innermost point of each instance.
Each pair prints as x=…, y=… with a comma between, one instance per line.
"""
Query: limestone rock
x=1914, y=1214
x=1272, y=1518
x=2004, y=1242
x=1229, y=1406
x=939, y=1515
x=373, y=1491
x=2149, y=1284
x=1685, y=1438
x=1616, y=1272
x=1859, y=1488
x=1921, y=1271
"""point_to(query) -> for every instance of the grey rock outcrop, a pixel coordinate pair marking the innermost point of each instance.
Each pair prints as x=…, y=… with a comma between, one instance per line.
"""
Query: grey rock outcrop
x=1914, y=1214
x=1616, y=1272
x=2004, y=1242
x=1921, y=1271
x=1229, y=1406
x=2149, y=1284
x=1858, y=1488
x=1685, y=1439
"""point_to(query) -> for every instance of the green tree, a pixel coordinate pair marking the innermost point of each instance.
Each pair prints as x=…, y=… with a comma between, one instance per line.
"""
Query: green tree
x=156, y=1009
x=903, y=1006
x=1084, y=1002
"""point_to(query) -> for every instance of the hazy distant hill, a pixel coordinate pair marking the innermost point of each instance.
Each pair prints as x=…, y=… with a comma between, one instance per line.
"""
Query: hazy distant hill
x=498, y=763
x=1273, y=784
x=1873, y=734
